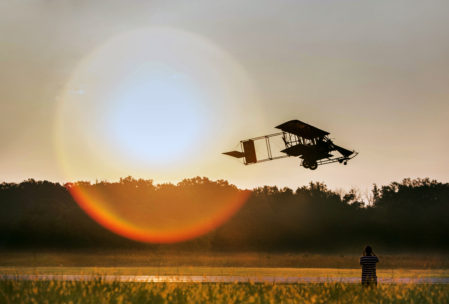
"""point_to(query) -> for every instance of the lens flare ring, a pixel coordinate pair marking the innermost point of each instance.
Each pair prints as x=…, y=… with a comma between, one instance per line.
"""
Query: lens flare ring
x=118, y=225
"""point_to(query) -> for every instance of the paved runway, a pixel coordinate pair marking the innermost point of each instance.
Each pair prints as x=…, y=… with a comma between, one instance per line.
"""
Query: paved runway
x=218, y=279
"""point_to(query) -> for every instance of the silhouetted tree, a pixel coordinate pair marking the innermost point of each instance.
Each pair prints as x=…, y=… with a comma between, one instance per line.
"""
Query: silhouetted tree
x=412, y=214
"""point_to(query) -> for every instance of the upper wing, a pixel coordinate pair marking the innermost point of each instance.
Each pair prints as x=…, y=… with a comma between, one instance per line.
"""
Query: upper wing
x=302, y=129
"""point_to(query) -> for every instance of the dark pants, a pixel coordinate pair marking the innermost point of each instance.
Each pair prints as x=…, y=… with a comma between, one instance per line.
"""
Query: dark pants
x=369, y=281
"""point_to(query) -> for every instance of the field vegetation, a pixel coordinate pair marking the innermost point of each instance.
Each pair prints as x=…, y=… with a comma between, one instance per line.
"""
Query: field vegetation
x=244, y=272
x=115, y=292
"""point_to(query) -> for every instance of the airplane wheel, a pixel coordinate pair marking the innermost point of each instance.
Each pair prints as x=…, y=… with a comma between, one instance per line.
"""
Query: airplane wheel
x=305, y=164
x=313, y=166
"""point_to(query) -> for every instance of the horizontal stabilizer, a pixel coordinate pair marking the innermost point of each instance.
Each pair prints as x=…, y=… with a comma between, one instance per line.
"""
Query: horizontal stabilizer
x=236, y=154
x=249, y=152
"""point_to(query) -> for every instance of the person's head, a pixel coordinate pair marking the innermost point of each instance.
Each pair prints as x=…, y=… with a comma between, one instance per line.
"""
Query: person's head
x=368, y=250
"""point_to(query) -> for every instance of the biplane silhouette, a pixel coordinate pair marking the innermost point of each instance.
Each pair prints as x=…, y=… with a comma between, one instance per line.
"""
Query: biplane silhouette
x=301, y=140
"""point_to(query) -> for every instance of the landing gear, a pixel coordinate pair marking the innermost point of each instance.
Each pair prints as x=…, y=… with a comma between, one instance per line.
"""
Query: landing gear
x=305, y=164
x=309, y=164
x=343, y=161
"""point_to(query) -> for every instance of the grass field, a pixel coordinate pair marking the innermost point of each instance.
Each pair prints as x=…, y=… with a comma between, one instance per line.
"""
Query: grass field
x=115, y=292
x=101, y=263
x=225, y=271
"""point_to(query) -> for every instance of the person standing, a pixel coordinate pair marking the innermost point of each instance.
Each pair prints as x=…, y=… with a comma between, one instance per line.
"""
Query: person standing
x=368, y=262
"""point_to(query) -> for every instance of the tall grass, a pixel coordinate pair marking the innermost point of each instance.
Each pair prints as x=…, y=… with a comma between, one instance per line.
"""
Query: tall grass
x=115, y=292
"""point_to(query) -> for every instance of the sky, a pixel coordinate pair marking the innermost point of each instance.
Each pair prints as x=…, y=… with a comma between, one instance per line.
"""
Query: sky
x=98, y=90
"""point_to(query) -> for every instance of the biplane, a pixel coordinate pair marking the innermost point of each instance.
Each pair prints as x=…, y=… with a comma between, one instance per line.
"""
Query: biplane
x=299, y=139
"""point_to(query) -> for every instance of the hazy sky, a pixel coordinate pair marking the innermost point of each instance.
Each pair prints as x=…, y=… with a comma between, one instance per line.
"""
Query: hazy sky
x=157, y=89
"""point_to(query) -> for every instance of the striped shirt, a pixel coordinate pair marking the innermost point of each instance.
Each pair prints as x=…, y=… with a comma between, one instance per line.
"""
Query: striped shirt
x=369, y=268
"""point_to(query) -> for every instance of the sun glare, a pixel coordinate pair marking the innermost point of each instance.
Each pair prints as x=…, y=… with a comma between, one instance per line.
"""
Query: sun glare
x=150, y=103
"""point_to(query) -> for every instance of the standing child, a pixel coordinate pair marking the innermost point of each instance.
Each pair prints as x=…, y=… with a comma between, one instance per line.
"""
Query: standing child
x=368, y=262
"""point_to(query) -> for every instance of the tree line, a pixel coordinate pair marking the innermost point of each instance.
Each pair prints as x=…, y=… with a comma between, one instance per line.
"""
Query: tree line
x=408, y=215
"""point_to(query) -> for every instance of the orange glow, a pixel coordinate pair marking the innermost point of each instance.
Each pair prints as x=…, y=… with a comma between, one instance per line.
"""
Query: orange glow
x=168, y=222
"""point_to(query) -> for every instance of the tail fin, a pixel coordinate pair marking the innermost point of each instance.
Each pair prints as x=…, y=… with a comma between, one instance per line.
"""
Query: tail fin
x=249, y=152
